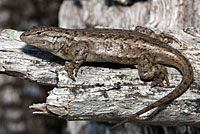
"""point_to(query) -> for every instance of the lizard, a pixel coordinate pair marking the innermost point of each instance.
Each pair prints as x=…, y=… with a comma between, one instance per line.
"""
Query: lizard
x=142, y=47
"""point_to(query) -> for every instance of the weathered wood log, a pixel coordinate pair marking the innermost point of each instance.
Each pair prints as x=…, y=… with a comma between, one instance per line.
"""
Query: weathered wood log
x=103, y=92
x=171, y=14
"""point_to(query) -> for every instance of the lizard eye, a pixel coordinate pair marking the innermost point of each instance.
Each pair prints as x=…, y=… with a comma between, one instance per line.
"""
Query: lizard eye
x=39, y=33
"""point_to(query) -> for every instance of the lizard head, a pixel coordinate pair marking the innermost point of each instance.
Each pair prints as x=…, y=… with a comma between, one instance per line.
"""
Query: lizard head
x=43, y=37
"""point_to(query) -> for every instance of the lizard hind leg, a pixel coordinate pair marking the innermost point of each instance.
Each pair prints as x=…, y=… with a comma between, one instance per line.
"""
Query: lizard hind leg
x=151, y=71
x=164, y=37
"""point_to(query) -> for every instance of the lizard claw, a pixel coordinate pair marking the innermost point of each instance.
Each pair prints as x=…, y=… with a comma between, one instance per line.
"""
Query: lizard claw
x=75, y=72
x=69, y=67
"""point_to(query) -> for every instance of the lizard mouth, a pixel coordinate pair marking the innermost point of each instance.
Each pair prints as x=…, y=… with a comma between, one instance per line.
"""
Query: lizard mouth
x=23, y=37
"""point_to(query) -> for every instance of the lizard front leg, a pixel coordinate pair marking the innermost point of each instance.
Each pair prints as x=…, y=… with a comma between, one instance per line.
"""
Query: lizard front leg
x=151, y=71
x=78, y=51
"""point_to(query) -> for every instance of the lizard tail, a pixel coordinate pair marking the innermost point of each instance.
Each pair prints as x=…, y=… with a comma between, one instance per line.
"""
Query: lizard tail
x=186, y=69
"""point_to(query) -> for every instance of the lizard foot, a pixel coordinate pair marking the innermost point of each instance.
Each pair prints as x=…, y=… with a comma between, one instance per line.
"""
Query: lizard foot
x=71, y=69
x=167, y=38
x=163, y=76
x=149, y=70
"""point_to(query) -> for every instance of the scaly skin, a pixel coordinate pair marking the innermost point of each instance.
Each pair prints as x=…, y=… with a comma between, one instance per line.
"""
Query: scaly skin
x=139, y=47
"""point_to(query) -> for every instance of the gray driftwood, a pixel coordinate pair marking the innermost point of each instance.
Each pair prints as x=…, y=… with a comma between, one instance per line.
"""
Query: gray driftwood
x=100, y=92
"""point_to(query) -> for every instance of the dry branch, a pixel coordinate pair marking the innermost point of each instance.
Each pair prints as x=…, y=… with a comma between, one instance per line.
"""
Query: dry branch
x=102, y=92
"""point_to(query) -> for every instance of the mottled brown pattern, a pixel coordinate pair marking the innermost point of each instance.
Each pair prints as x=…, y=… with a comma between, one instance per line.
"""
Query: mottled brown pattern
x=140, y=47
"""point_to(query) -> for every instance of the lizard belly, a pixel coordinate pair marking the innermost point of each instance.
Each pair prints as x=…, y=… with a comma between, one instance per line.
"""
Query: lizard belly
x=114, y=52
x=94, y=57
